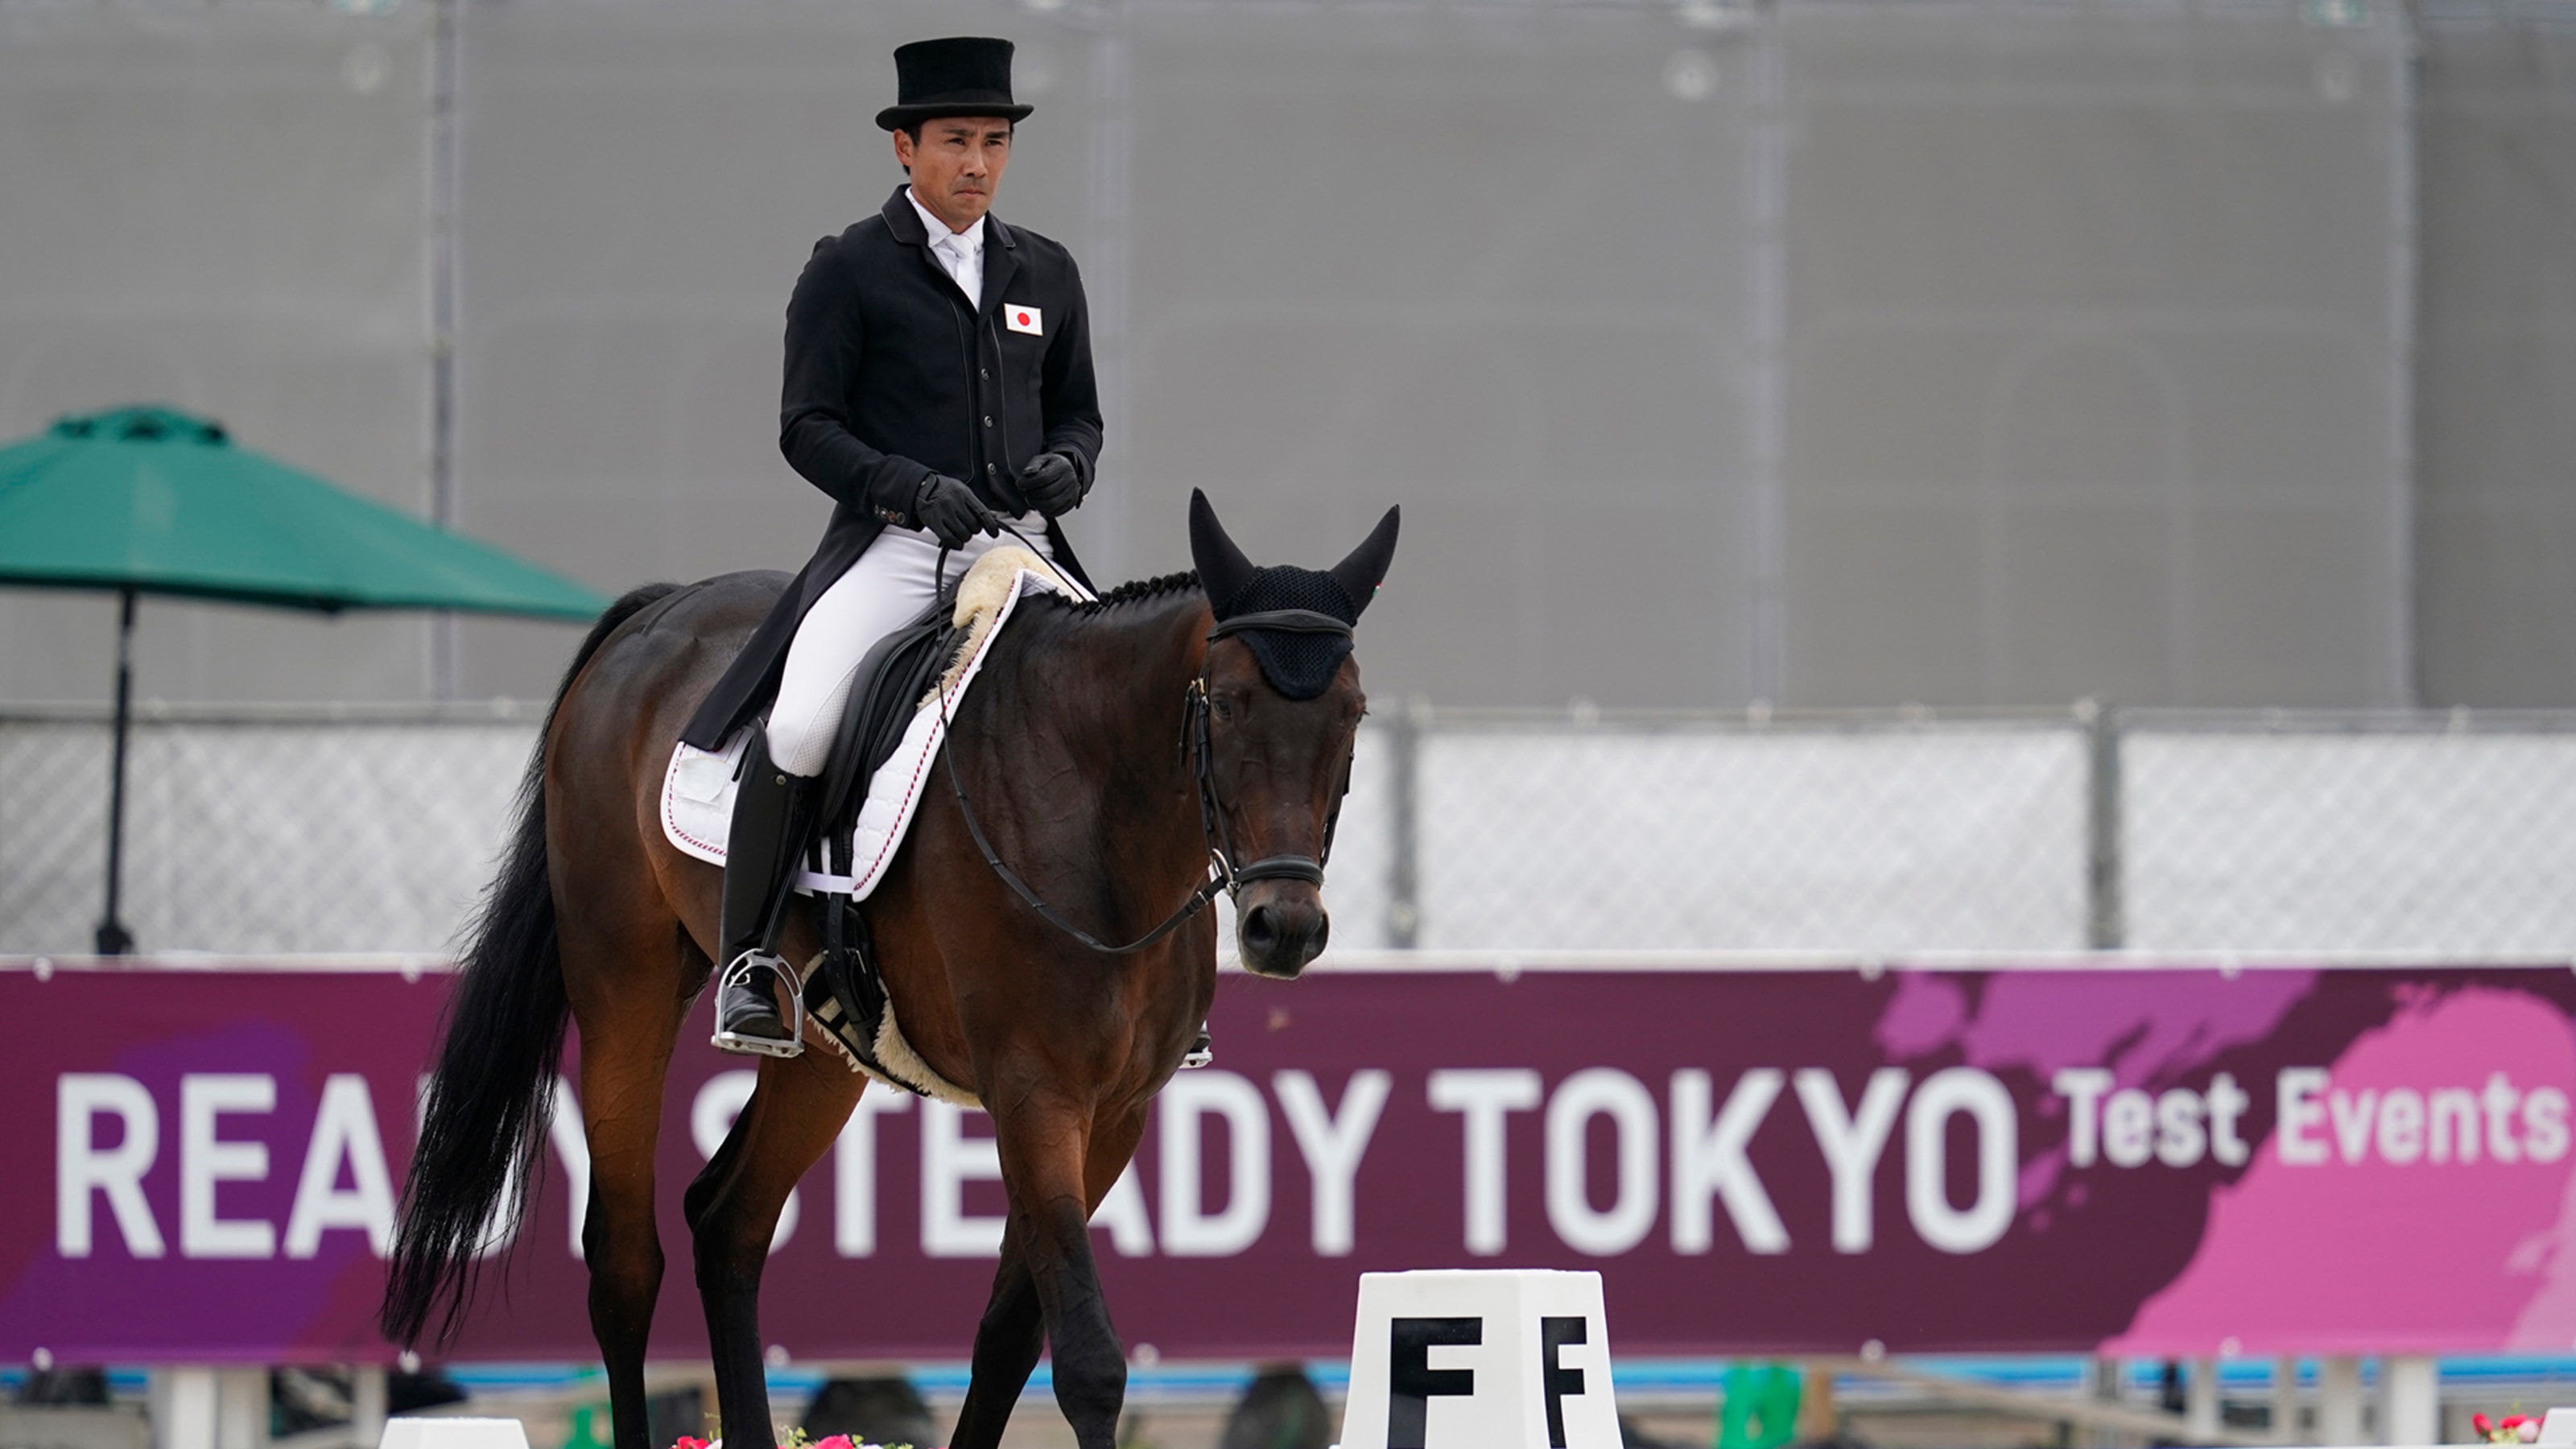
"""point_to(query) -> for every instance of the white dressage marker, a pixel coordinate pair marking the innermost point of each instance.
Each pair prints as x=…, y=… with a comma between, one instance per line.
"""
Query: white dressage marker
x=454, y=1434
x=1473, y=1359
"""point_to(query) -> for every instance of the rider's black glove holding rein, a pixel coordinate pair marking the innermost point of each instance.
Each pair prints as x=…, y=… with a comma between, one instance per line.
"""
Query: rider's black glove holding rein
x=1052, y=484
x=951, y=510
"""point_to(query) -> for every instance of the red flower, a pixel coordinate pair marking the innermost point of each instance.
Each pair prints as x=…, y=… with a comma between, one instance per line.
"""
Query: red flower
x=2478, y=1422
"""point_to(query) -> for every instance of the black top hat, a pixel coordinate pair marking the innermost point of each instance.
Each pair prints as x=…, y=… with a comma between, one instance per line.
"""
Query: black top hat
x=958, y=75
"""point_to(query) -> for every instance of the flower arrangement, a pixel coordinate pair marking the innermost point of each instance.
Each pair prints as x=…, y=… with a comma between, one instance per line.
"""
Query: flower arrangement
x=792, y=1439
x=2514, y=1429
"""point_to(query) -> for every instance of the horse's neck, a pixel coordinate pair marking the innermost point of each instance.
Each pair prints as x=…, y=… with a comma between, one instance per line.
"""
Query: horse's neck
x=1109, y=685
x=1133, y=664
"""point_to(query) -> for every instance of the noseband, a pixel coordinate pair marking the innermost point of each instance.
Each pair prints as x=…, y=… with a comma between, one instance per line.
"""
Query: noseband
x=1224, y=876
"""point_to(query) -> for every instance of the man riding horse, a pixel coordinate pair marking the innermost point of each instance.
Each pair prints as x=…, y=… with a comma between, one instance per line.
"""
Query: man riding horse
x=938, y=384
x=1128, y=758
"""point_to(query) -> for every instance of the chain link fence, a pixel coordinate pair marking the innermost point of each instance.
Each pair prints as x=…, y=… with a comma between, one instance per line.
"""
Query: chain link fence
x=1886, y=833
x=1864, y=833
x=2444, y=834
x=254, y=831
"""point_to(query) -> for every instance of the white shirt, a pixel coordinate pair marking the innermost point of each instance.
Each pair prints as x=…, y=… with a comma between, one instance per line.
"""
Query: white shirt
x=960, y=253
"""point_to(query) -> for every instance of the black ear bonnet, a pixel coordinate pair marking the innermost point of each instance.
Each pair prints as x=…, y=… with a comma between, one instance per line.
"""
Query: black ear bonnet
x=1298, y=664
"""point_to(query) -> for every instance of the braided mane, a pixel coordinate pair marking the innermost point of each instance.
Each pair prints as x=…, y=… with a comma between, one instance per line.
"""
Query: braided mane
x=1136, y=591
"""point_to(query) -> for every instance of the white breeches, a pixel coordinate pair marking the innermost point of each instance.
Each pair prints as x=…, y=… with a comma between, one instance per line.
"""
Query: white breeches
x=881, y=593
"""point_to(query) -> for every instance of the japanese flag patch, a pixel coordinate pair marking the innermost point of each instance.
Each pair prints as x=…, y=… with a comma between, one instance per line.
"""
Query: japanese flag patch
x=1023, y=319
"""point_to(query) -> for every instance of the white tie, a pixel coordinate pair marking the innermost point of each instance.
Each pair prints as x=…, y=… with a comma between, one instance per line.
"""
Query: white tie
x=961, y=266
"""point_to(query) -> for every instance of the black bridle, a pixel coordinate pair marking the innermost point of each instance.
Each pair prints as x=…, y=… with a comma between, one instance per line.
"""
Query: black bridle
x=1224, y=876
x=1211, y=815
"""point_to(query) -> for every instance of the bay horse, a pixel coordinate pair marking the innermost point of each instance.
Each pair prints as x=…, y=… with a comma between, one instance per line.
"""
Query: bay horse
x=1122, y=757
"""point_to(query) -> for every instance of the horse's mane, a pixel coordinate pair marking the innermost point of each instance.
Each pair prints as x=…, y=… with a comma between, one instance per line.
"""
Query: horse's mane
x=1134, y=591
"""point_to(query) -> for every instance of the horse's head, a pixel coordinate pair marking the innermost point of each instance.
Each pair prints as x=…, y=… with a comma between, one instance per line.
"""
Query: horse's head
x=1283, y=710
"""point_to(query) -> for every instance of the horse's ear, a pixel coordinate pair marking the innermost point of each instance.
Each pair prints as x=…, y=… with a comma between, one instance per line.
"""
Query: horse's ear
x=1223, y=570
x=1361, y=573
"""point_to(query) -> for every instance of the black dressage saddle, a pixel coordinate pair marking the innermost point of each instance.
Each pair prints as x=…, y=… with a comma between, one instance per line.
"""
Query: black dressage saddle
x=844, y=991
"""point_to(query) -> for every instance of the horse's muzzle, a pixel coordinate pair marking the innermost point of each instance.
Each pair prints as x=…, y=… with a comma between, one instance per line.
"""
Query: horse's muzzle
x=1279, y=926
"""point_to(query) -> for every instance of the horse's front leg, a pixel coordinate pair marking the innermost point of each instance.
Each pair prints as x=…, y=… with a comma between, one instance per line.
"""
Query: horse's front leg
x=1057, y=1166
x=1013, y=1331
x=1007, y=1344
x=794, y=1115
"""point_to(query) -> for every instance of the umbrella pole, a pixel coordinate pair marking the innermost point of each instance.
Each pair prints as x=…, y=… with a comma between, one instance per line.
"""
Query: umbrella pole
x=113, y=938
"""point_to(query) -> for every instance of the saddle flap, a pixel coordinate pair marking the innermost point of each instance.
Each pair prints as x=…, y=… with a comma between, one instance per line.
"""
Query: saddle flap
x=705, y=779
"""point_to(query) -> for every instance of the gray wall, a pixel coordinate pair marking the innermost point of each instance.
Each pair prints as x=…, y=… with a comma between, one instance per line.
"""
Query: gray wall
x=2091, y=358
x=2497, y=368
x=1963, y=354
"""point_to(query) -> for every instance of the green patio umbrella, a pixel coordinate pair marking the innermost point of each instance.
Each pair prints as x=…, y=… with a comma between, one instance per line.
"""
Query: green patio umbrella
x=150, y=500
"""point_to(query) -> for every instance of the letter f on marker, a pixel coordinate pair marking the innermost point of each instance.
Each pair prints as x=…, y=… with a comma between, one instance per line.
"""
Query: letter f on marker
x=1411, y=1381
x=1559, y=1381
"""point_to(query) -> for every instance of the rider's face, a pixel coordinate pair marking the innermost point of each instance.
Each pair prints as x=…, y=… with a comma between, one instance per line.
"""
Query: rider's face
x=957, y=165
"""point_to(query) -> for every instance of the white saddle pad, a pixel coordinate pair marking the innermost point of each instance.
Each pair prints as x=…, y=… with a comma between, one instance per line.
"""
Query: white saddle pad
x=698, y=789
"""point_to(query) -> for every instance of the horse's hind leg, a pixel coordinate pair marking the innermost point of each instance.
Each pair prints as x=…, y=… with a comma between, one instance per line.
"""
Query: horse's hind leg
x=629, y=1012
x=794, y=1115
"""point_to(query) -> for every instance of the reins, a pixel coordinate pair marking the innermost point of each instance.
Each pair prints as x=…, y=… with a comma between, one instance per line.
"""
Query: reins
x=1224, y=877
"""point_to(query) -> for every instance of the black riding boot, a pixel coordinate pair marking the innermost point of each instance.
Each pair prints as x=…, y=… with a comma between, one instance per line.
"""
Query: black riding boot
x=758, y=851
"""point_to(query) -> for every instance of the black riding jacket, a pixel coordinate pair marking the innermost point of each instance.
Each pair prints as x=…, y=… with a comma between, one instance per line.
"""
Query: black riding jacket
x=891, y=376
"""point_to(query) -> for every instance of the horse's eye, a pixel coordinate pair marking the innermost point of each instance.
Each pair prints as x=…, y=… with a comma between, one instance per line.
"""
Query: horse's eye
x=1223, y=706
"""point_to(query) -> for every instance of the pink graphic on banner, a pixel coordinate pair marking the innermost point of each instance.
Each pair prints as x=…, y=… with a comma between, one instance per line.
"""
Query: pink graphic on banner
x=2411, y=1199
x=2146, y=1027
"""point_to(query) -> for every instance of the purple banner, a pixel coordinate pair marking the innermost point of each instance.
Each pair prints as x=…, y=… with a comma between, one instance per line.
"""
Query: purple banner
x=2170, y=1162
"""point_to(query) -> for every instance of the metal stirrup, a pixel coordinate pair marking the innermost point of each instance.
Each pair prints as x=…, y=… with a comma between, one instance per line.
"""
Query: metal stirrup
x=739, y=974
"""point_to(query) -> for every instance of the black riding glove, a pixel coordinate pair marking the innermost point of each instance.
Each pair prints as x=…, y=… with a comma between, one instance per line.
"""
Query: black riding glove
x=951, y=510
x=1052, y=484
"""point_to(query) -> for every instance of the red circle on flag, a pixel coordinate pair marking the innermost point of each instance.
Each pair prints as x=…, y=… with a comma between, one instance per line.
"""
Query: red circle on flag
x=1024, y=319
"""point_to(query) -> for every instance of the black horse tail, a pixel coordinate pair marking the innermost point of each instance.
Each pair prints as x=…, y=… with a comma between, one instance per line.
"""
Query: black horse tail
x=483, y=1127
